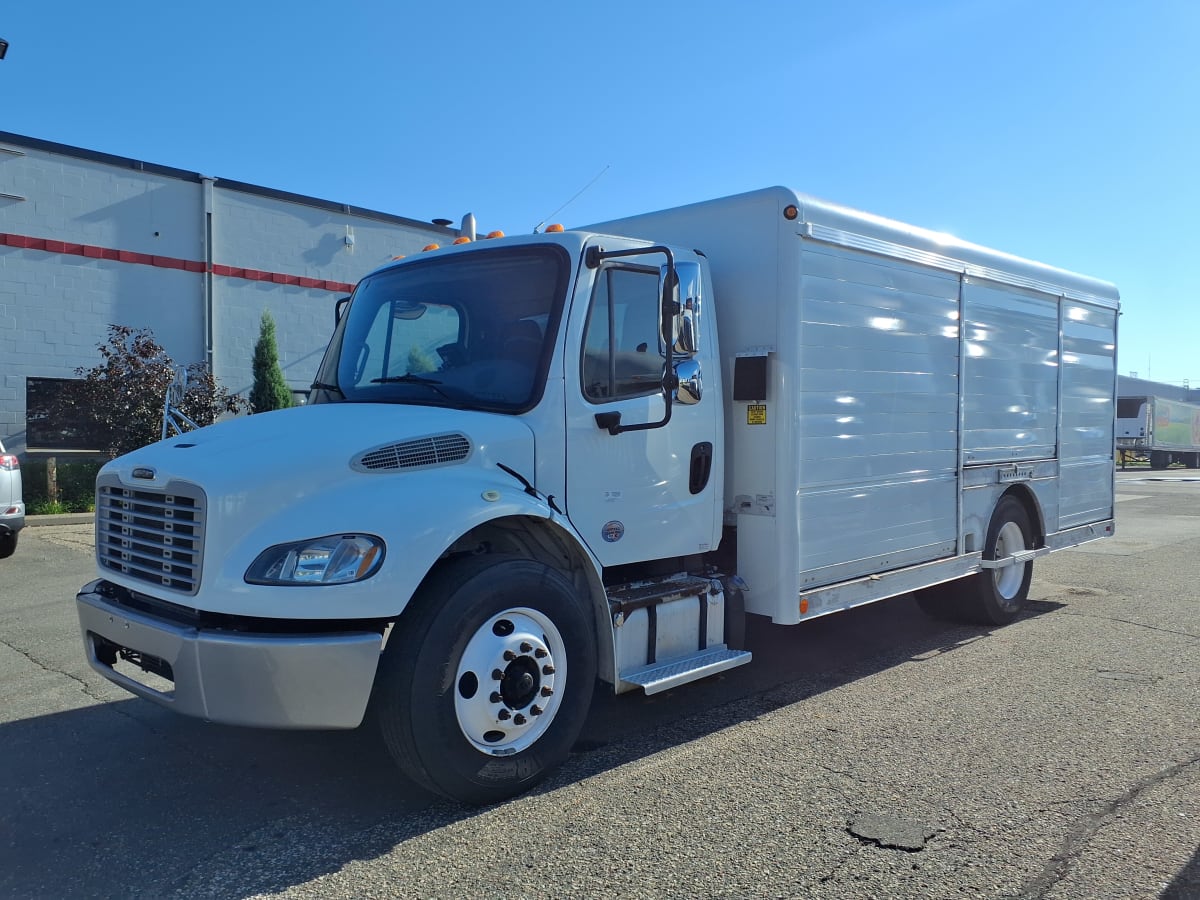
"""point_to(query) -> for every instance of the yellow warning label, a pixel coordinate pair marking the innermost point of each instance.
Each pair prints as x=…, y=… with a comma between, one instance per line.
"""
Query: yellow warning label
x=756, y=414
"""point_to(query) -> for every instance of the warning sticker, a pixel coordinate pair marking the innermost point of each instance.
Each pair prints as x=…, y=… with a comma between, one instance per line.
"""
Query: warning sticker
x=756, y=414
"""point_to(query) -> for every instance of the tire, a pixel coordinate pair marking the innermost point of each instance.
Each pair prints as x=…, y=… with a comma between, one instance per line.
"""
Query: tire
x=1159, y=459
x=485, y=682
x=993, y=596
x=8, y=544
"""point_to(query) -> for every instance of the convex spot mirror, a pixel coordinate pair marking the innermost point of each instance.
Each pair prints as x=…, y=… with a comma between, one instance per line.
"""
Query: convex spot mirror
x=682, y=302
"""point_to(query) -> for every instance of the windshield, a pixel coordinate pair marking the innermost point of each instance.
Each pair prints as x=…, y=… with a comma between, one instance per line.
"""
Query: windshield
x=469, y=330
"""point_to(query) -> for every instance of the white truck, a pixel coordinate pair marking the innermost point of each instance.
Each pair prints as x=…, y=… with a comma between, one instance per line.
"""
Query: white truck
x=1159, y=430
x=531, y=462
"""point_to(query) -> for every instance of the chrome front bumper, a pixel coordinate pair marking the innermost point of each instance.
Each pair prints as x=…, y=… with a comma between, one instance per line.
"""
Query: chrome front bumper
x=261, y=680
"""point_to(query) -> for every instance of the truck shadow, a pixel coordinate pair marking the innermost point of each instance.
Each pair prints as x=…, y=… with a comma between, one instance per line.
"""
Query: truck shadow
x=126, y=799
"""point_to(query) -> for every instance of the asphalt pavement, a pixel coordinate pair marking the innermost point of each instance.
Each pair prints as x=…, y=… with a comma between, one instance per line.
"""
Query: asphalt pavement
x=875, y=753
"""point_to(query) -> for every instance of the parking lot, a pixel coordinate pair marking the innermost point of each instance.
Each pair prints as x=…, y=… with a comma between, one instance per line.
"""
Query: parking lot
x=876, y=753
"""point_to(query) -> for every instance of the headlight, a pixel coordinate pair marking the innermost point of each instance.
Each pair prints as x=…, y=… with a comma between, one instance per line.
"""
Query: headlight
x=333, y=559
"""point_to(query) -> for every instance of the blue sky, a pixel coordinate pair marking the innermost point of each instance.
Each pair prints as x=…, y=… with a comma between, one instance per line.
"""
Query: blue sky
x=1066, y=131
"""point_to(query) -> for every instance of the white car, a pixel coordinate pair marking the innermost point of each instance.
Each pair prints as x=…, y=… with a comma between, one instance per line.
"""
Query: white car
x=12, y=510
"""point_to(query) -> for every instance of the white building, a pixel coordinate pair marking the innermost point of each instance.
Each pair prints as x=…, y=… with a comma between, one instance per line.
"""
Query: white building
x=88, y=239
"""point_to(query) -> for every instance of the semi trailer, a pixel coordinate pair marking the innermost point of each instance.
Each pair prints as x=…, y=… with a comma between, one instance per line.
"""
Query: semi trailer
x=1158, y=430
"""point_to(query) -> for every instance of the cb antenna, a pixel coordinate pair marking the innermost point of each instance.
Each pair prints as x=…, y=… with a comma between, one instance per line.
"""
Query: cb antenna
x=538, y=226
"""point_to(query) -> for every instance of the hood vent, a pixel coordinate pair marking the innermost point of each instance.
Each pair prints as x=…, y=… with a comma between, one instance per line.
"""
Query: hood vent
x=438, y=450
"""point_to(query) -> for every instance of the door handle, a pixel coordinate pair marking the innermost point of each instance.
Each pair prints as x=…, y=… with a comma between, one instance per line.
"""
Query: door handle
x=701, y=467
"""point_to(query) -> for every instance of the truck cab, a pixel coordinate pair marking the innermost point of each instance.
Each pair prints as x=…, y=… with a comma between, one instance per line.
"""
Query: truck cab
x=512, y=471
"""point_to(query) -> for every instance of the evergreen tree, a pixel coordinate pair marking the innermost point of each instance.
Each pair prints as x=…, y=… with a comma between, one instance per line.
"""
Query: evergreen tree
x=270, y=390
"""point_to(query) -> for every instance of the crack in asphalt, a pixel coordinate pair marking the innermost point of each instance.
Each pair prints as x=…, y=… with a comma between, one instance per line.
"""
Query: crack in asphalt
x=1186, y=634
x=28, y=655
x=1056, y=870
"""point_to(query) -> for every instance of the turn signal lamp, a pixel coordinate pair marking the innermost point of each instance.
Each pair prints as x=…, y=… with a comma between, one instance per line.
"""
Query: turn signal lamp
x=803, y=605
x=462, y=240
x=430, y=247
x=554, y=229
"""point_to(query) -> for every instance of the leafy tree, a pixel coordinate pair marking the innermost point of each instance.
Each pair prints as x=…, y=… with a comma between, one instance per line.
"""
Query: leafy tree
x=270, y=390
x=124, y=395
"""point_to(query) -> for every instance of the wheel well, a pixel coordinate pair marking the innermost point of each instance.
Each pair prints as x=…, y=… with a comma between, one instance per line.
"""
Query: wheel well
x=536, y=538
x=1032, y=508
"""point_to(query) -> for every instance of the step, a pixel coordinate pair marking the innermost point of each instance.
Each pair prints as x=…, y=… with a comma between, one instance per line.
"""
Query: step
x=664, y=676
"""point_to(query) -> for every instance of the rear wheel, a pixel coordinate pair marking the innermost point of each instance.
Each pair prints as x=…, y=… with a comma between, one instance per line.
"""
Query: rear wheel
x=1159, y=459
x=8, y=544
x=992, y=596
x=486, y=682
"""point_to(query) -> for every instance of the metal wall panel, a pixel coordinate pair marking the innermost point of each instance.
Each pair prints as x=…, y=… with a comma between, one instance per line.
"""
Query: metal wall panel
x=1010, y=382
x=1088, y=412
x=877, y=414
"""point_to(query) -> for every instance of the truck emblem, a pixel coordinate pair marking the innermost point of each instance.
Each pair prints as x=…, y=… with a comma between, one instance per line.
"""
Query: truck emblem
x=144, y=472
x=613, y=531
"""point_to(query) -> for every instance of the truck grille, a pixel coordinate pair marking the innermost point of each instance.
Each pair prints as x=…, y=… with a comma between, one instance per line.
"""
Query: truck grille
x=155, y=536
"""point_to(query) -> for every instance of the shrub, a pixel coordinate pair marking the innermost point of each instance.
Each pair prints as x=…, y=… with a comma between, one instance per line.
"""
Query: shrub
x=126, y=392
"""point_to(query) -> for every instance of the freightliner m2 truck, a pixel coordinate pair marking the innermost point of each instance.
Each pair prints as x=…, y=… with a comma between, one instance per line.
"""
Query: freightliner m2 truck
x=531, y=462
x=1162, y=431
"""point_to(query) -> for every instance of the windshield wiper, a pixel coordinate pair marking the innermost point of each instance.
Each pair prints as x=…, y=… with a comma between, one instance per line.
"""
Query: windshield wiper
x=321, y=386
x=406, y=378
x=410, y=378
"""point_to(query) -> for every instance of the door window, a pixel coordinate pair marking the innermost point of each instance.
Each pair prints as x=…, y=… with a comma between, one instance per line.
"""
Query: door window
x=621, y=353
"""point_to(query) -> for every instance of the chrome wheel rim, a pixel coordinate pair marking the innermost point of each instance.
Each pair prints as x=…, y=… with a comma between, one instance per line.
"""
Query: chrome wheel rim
x=1008, y=579
x=509, y=682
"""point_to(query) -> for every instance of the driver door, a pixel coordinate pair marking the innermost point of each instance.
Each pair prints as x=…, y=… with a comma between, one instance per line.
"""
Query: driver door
x=644, y=494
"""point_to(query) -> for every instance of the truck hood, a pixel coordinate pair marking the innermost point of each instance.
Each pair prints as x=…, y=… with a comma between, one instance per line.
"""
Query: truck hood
x=415, y=476
x=292, y=452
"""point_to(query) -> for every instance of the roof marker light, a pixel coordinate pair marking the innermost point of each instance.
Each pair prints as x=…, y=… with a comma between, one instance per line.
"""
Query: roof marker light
x=394, y=258
x=462, y=240
x=430, y=247
x=554, y=229
x=495, y=234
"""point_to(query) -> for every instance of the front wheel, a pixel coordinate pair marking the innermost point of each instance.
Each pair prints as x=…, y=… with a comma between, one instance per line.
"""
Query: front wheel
x=485, y=682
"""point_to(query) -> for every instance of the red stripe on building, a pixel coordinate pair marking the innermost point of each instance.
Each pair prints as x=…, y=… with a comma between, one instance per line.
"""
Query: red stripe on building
x=25, y=242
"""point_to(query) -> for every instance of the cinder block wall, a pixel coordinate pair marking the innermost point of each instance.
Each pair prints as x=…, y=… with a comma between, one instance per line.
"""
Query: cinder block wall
x=88, y=239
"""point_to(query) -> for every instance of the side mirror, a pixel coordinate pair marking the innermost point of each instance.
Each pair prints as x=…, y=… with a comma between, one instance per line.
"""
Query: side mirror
x=339, y=309
x=681, y=309
x=689, y=386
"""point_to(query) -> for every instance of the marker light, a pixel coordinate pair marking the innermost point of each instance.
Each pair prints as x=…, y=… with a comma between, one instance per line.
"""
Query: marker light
x=430, y=247
x=790, y=212
x=401, y=256
x=495, y=234
x=333, y=559
x=554, y=229
x=462, y=240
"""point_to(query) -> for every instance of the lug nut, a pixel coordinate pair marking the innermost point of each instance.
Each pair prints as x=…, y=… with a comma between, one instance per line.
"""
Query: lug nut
x=540, y=653
x=519, y=719
x=535, y=710
x=497, y=675
x=503, y=715
x=526, y=646
x=509, y=656
x=547, y=691
x=495, y=698
x=547, y=670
